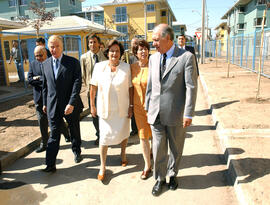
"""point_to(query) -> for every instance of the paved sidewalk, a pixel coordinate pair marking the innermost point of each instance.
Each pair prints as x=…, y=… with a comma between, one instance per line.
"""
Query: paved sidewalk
x=245, y=143
x=249, y=164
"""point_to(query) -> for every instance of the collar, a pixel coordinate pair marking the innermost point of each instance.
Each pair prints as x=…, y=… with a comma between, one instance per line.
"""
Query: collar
x=182, y=47
x=58, y=58
x=169, y=53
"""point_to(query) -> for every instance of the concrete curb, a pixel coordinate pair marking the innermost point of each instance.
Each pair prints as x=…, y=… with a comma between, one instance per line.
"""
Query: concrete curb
x=10, y=158
x=234, y=172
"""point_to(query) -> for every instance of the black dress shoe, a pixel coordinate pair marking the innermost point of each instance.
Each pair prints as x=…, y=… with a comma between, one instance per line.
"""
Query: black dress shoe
x=49, y=169
x=173, y=184
x=67, y=139
x=77, y=158
x=157, y=189
x=40, y=149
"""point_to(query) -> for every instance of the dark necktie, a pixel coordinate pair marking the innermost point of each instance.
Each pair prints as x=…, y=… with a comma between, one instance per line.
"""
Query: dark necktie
x=163, y=65
x=96, y=58
x=56, y=66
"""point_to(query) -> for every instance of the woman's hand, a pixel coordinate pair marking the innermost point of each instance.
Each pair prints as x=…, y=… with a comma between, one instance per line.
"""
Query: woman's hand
x=93, y=111
x=130, y=112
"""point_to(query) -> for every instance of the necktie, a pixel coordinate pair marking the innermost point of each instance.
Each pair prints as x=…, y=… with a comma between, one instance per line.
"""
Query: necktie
x=163, y=65
x=56, y=66
x=96, y=58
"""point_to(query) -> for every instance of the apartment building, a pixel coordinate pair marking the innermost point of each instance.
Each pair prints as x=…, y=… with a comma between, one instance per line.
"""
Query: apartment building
x=137, y=18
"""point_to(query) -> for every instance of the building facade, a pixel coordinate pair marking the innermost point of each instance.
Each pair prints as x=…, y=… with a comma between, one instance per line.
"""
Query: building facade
x=92, y=13
x=13, y=9
x=246, y=16
x=137, y=18
x=221, y=37
x=178, y=29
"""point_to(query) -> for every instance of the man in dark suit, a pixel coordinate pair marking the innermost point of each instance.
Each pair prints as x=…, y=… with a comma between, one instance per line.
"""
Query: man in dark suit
x=61, y=98
x=35, y=79
x=170, y=103
x=182, y=45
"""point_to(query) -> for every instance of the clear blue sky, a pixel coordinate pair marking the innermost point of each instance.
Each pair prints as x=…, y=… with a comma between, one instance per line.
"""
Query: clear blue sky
x=183, y=11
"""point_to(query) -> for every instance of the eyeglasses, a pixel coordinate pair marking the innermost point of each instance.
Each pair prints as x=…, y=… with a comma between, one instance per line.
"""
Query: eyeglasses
x=39, y=55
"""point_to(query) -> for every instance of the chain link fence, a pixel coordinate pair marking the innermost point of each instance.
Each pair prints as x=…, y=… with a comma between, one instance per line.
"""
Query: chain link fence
x=243, y=50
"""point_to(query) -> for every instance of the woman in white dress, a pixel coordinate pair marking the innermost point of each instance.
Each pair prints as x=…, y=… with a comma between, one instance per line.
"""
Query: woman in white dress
x=111, y=80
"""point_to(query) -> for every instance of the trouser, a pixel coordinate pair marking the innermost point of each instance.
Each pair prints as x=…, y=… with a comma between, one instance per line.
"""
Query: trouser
x=73, y=121
x=162, y=136
x=133, y=124
x=43, y=126
x=95, y=119
x=20, y=70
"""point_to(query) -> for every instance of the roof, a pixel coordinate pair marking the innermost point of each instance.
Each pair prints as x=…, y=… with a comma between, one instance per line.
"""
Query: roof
x=68, y=24
x=119, y=2
x=6, y=24
x=175, y=23
x=92, y=9
x=238, y=3
x=220, y=25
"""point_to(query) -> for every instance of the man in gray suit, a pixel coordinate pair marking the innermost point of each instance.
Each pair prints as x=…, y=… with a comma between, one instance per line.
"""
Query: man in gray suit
x=170, y=102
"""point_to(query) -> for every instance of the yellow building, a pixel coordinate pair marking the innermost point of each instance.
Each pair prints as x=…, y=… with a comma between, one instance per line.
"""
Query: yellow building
x=137, y=18
x=221, y=37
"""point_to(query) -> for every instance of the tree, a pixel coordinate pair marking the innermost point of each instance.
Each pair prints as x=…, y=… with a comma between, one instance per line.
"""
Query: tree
x=43, y=16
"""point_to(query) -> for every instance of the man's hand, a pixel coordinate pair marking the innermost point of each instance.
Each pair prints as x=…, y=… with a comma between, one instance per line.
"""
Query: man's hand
x=69, y=109
x=44, y=108
x=186, y=122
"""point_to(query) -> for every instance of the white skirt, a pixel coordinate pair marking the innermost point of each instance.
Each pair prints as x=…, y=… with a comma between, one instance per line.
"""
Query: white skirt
x=114, y=129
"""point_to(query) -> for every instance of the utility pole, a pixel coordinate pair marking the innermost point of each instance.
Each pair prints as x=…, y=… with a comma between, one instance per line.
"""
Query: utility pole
x=145, y=21
x=203, y=32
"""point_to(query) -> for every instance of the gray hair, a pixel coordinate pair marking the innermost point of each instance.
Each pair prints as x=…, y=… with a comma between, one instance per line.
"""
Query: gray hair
x=165, y=30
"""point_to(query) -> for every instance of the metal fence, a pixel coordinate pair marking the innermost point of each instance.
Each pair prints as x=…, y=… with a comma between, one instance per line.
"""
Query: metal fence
x=26, y=45
x=243, y=50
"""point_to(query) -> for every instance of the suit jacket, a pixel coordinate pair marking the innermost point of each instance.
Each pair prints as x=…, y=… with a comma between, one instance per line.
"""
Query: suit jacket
x=65, y=89
x=174, y=95
x=192, y=50
x=87, y=65
x=36, y=70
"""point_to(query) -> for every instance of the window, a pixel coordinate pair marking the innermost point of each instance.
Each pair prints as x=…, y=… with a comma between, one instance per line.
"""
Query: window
x=163, y=13
x=176, y=29
x=47, y=1
x=121, y=14
x=260, y=2
x=7, y=49
x=150, y=7
x=22, y=2
x=123, y=29
x=242, y=9
x=12, y=18
x=72, y=2
x=98, y=18
x=150, y=26
x=71, y=44
x=11, y=3
x=258, y=21
x=241, y=26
